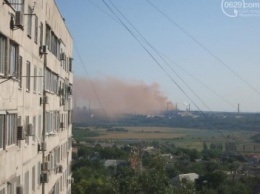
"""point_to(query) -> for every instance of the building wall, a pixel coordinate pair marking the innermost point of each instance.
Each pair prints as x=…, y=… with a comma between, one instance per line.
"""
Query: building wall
x=22, y=96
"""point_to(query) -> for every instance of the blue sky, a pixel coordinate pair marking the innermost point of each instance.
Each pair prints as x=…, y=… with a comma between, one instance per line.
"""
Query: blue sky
x=108, y=50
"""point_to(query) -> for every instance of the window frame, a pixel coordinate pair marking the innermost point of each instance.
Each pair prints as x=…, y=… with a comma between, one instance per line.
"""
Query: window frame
x=36, y=29
x=2, y=129
x=29, y=22
x=27, y=182
x=13, y=58
x=11, y=129
x=40, y=80
x=3, y=55
x=35, y=79
x=28, y=76
x=20, y=71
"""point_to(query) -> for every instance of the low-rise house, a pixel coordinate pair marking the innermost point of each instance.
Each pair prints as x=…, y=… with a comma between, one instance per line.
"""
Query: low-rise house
x=190, y=176
x=115, y=163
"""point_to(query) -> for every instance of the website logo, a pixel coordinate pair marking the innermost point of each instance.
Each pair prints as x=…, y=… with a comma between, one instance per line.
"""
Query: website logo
x=235, y=8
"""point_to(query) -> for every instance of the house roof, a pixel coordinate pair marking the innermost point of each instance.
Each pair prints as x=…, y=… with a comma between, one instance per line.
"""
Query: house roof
x=190, y=176
x=114, y=162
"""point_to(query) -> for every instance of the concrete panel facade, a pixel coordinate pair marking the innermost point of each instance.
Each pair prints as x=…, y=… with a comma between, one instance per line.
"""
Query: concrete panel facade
x=35, y=98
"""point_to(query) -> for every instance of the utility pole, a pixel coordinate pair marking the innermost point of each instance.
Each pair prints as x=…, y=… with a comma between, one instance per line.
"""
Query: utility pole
x=44, y=97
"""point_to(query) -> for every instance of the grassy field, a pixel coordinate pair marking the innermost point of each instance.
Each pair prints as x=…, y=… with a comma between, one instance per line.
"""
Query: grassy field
x=188, y=138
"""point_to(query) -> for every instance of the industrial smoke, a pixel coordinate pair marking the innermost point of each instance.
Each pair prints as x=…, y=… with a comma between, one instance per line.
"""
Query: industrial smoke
x=117, y=96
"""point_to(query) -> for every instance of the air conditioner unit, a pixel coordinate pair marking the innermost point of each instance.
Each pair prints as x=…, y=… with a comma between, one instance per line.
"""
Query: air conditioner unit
x=60, y=168
x=19, y=19
x=19, y=189
x=62, y=56
x=45, y=166
x=20, y=133
x=43, y=146
x=44, y=177
x=30, y=131
x=43, y=49
x=61, y=125
x=45, y=100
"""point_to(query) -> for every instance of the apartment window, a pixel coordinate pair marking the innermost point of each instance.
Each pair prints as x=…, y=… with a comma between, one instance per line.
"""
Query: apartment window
x=10, y=188
x=29, y=24
x=52, y=161
x=55, y=45
x=13, y=58
x=58, y=49
x=26, y=183
x=28, y=74
x=57, y=186
x=17, y=5
x=36, y=30
x=34, y=127
x=47, y=37
x=26, y=126
x=61, y=183
x=19, y=123
x=35, y=79
x=41, y=33
x=64, y=62
x=2, y=118
x=51, y=81
x=39, y=174
x=11, y=128
x=47, y=122
x=40, y=81
x=2, y=54
x=69, y=117
x=19, y=71
x=70, y=64
x=2, y=191
x=39, y=127
x=33, y=178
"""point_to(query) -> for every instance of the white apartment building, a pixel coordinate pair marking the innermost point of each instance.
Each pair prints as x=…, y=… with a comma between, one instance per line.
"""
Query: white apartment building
x=35, y=98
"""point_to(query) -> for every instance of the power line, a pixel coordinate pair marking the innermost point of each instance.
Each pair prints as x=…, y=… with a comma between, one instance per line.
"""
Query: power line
x=200, y=82
x=204, y=47
x=156, y=51
x=91, y=83
x=150, y=54
x=102, y=10
x=164, y=70
x=162, y=56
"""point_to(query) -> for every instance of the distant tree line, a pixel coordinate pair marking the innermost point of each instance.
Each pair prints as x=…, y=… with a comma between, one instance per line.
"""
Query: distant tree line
x=203, y=121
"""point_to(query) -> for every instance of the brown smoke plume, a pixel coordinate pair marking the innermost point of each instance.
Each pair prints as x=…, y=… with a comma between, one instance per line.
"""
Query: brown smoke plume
x=118, y=96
